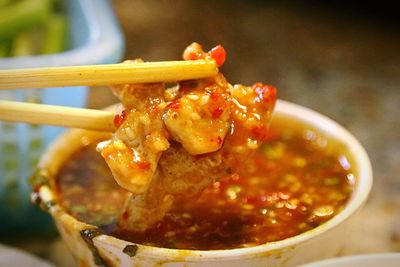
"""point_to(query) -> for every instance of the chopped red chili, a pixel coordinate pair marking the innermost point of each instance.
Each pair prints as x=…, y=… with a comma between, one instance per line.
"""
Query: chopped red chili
x=125, y=215
x=219, y=140
x=143, y=165
x=217, y=113
x=259, y=132
x=119, y=119
x=175, y=104
x=265, y=92
x=217, y=104
x=218, y=54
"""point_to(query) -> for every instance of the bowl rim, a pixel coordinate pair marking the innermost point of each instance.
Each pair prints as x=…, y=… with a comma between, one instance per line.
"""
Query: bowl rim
x=374, y=258
x=316, y=120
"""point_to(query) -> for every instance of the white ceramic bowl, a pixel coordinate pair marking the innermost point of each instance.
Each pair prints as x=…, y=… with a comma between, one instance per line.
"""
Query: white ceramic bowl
x=92, y=248
x=366, y=260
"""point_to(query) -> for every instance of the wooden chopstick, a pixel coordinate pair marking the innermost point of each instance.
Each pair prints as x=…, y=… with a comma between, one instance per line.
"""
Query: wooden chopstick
x=90, y=119
x=164, y=71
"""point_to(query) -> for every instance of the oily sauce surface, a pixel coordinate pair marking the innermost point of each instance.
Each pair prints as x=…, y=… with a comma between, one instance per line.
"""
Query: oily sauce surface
x=294, y=183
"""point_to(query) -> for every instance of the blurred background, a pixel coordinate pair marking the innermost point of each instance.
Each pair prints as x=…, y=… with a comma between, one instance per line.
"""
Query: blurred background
x=341, y=59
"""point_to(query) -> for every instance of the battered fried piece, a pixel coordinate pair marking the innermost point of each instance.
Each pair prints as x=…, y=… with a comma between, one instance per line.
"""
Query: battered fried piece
x=186, y=174
x=174, y=143
x=133, y=152
x=200, y=117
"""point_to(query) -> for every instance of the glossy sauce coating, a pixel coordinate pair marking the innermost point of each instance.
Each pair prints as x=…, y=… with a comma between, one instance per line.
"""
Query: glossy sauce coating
x=176, y=141
x=291, y=185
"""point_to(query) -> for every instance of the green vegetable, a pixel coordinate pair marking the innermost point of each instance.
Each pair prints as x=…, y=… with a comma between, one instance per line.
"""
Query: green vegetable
x=4, y=49
x=23, y=15
x=55, y=35
x=58, y=5
x=4, y=3
x=22, y=44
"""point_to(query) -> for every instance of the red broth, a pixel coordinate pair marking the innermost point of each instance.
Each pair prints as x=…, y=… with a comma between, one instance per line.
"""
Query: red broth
x=297, y=181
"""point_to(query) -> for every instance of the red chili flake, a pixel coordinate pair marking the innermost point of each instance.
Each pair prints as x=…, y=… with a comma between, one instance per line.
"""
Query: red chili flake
x=125, y=215
x=259, y=132
x=271, y=93
x=143, y=165
x=217, y=104
x=218, y=54
x=214, y=96
x=219, y=140
x=265, y=92
x=217, y=113
x=119, y=119
x=175, y=104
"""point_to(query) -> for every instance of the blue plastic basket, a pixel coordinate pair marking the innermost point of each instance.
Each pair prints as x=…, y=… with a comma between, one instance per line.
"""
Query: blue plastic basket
x=95, y=38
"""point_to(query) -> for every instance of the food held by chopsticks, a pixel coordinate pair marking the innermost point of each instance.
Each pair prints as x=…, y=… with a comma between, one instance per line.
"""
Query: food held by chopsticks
x=174, y=142
x=183, y=157
x=140, y=72
x=169, y=142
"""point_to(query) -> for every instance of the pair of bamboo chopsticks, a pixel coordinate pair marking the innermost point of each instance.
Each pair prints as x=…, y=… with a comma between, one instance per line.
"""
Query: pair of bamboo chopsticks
x=168, y=71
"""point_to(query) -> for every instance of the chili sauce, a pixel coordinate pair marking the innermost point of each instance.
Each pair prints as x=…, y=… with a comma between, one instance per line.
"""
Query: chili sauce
x=296, y=181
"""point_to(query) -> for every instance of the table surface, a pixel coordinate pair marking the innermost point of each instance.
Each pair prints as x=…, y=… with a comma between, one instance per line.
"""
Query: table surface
x=344, y=64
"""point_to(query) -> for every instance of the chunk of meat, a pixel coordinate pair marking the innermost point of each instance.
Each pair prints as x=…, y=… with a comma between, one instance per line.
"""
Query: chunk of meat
x=174, y=143
x=200, y=118
x=142, y=211
x=183, y=173
x=133, y=152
